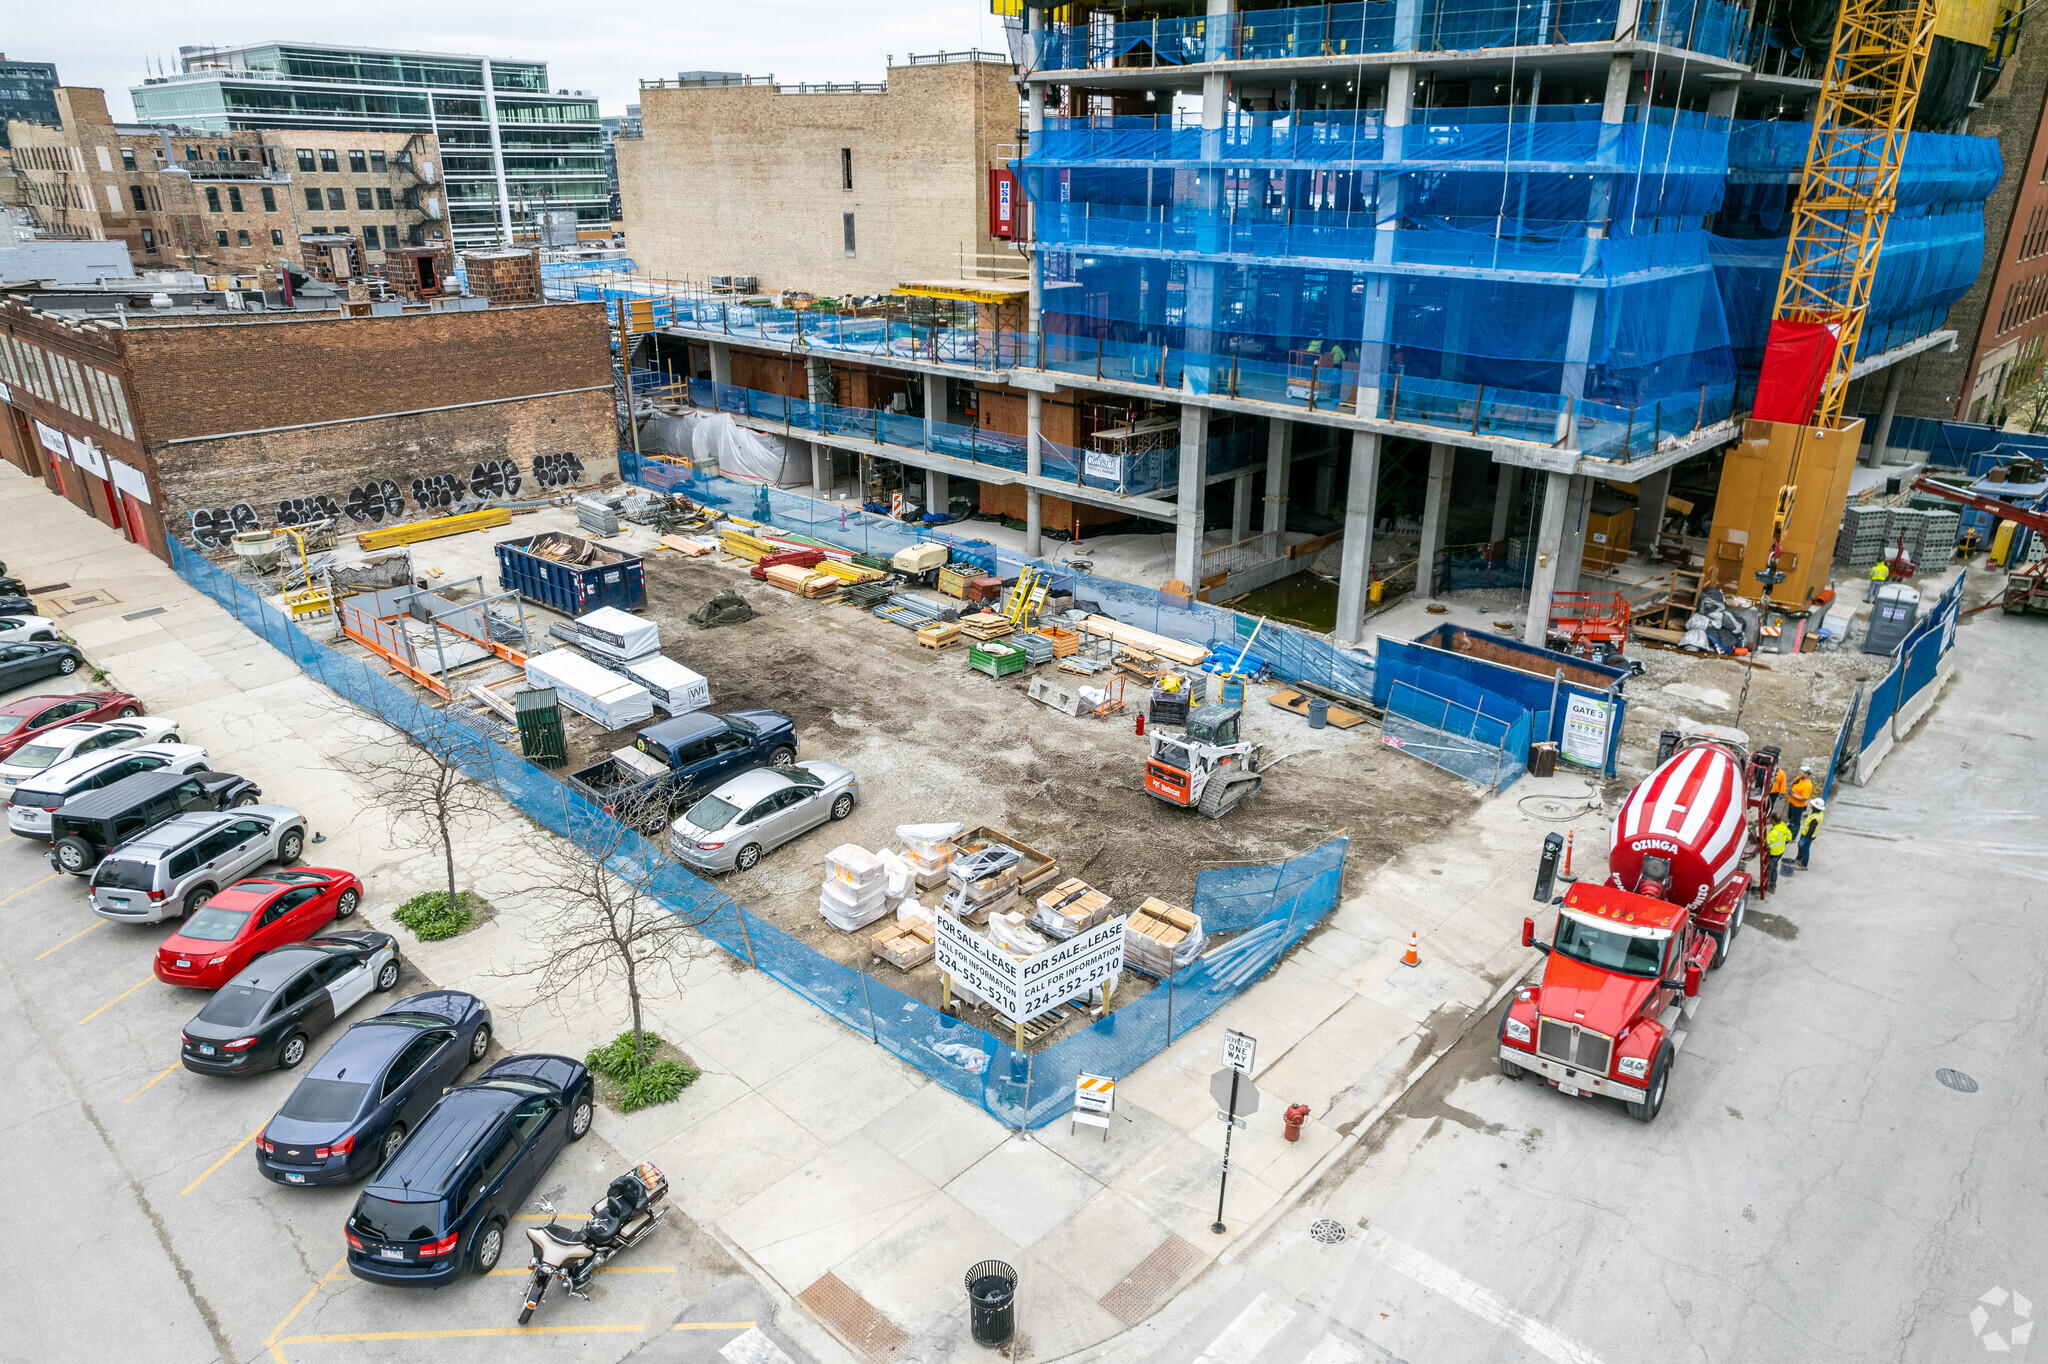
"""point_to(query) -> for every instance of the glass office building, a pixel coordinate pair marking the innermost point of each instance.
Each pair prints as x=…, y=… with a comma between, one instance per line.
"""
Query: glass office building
x=512, y=149
x=28, y=91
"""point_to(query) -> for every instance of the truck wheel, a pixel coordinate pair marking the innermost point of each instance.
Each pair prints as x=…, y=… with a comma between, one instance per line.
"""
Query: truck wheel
x=783, y=757
x=1507, y=1067
x=1721, y=940
x=1653, y=1099
x=74, y=855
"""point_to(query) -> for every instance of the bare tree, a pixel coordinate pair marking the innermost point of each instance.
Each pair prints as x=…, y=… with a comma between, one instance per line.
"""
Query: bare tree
x=418, y=772
x=603, y=924
x=2029, y=399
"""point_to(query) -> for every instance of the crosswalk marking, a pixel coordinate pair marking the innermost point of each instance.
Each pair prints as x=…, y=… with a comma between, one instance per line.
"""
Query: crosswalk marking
x=1481, y=1302
x=752, y=1347
x=1252, y=1331
x=1330, y=1350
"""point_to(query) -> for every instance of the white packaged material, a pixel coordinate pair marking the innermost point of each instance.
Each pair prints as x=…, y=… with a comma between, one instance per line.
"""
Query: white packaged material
x=618, y=635
x=847, y=909
x=674, y=688
x=1014, y=935
x=896, y=874
x=856, y=868
x=925, y=840
x=589, y=690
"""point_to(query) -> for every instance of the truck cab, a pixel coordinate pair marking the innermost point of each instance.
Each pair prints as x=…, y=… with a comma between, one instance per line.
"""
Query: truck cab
x=1622, y=977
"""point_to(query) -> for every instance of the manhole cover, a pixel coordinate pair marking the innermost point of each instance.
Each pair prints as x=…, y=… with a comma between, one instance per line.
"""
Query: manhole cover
x=1328, y=1231
x=1956, y=1080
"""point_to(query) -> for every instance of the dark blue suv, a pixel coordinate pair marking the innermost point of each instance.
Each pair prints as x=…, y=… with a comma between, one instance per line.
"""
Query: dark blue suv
x=442, y=1203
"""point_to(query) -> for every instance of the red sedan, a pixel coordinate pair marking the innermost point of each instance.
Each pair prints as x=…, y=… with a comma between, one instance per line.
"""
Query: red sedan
x=22, y=720
x=250, y=918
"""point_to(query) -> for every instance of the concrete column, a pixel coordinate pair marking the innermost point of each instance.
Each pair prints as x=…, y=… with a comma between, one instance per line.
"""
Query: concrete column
x=1506, y=497
x=721, y=362
x=1379, y=295
x=497, y=160
x=1549, y=540
x=1361, y=499
x=1241, y=507
x=1326, y=487
x=1894, y=380
x=1571, y=553
x=1034, y=465
x=1194, y=470
x=1650, y=495
x=1441, y=462
x=936, y=498
x=1586, y=302
x=821, y=468
x=1279, y=462
x=934, y=404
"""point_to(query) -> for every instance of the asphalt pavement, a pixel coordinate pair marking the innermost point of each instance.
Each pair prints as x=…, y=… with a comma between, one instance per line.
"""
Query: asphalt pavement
x=1847, y=1166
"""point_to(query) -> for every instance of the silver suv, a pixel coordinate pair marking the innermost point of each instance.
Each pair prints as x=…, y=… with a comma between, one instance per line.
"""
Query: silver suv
x=176, y=867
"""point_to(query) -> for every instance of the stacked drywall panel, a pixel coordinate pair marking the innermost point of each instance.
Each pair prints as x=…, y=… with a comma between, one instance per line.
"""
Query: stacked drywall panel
x=590, y=690
x=675, y=688
x=618, y=636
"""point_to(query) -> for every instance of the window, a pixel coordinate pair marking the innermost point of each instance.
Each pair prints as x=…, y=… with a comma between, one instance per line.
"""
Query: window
x=411, y=1059
x=390, y=238
x=241, y=239
x=127, y=158
x=306, y=159
x=328, y=162
x=496, y=1153
x=384, y=199
x=334, y=200
x=276, y=237
x=356, y=163
x=847, y=220
x=184, y=863
x=313, y=200
x=148, y=242
x=846, y=168
x=220, y=153
x=156, y=201
x=220, y=239
x=362, y=199
x=235, y=198
x=191, y=152
x=269, y=199
x=528, y=1117
x=212, y=199
x=141, y=200
x=377, y=163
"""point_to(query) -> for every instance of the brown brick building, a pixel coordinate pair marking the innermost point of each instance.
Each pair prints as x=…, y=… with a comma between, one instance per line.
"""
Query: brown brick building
x=223, y=203
x=197, y=425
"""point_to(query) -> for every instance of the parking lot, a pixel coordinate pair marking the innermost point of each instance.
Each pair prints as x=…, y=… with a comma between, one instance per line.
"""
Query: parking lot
x=141, y=1213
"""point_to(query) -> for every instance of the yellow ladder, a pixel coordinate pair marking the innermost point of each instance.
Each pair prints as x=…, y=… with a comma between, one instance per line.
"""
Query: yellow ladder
x=1026, y=597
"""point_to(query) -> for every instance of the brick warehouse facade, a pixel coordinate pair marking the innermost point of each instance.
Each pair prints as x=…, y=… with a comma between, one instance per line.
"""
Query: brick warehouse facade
x=197, y=427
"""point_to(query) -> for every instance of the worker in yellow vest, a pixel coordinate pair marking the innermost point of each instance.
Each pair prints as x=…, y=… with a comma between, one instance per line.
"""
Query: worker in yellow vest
x=1809, y=828
x=1879, y=571
x=1775, y=842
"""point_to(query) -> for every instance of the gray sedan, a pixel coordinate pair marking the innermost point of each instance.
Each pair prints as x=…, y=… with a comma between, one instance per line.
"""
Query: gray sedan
x=761, y=810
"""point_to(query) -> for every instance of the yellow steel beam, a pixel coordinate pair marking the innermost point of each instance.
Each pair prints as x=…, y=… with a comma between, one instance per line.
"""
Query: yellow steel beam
x=1868, y=94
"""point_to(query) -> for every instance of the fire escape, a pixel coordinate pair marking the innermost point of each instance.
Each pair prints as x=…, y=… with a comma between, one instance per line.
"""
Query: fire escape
x=420, y=190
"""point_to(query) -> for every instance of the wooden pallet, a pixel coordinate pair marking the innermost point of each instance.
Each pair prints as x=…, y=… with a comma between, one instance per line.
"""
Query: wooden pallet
x=939, y=636
x=985, y=625
x=1294, y=703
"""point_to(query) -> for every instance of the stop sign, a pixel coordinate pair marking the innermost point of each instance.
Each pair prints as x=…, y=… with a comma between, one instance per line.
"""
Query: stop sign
x=1247, y=1093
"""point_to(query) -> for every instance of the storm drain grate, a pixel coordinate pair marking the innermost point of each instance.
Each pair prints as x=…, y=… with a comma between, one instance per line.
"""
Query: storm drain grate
x=1956, y=1080
x=1150, y=1280
x=854, y=1320
x=144, y=615
x=1329, y=1231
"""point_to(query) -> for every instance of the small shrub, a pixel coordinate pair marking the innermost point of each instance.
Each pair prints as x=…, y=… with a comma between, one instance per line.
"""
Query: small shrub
x=659, y=1083
x=430, y=917
x=615, y=1059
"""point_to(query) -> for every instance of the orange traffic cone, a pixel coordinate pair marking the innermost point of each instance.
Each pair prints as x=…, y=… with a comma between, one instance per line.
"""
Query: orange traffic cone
x=1567, y=874
x=1411, y=958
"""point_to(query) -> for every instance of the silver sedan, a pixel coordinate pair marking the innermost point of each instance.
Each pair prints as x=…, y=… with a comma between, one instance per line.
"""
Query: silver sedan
x=758, y=811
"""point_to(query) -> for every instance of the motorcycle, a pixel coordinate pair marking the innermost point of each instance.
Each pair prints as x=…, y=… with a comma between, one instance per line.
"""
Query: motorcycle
x=631, y=1209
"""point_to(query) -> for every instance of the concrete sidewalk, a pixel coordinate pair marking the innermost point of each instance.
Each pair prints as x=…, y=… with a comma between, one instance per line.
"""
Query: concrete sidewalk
x=851, y=1183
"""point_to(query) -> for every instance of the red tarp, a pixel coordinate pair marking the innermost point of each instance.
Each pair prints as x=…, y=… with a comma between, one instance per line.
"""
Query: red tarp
x=1796, y=360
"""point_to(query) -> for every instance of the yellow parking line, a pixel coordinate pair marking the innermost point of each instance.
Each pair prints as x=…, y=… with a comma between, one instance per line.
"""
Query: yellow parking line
x=158, y=1076
x=291, y=1316
x=27, y=888
x=73, y=938
x=118, y=998
x=614, y=1269
x=712, y=1326
x=225, y=1159
x=602, y=1328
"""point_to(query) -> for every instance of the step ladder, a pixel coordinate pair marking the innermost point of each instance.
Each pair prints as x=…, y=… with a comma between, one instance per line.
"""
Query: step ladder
x=1026, y=596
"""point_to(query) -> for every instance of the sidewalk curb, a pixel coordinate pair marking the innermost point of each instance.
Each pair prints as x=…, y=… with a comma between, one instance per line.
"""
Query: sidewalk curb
x=1119, y=1344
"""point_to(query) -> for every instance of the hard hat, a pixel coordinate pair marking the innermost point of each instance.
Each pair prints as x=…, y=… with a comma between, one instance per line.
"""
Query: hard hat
x=1806, y=768
x=1819, y=804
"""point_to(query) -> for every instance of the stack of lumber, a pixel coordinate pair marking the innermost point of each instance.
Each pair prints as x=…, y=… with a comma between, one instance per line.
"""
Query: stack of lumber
x=741, y=545
x=1160, y=938
x=1064, y=642
x=1159, y=646
x=849, y=572
x=906, y=943
x=802, y=581
x=1073, y=906
x=687, y=544
x=985, y=625
x=794, y=558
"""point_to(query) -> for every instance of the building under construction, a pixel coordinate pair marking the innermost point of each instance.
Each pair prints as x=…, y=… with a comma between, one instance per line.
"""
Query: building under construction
x=1434, y=248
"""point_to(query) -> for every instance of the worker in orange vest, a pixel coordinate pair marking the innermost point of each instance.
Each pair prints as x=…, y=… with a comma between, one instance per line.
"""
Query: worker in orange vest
x=1776, y=806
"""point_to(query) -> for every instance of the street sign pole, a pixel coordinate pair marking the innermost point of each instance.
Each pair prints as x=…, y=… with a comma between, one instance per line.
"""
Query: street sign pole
x=1229, y=1127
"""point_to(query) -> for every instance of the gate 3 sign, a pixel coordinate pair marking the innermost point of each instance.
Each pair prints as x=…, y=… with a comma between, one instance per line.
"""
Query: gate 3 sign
x=1026, y=989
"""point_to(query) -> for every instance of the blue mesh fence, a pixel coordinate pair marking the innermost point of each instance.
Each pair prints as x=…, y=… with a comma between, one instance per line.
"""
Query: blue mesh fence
x=1271, y=906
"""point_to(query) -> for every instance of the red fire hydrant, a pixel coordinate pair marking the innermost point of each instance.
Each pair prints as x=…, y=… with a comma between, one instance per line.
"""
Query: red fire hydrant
x=1296, y=1115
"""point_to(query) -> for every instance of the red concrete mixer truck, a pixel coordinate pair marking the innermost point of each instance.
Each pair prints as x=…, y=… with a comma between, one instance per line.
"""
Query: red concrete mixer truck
x=1624, y=965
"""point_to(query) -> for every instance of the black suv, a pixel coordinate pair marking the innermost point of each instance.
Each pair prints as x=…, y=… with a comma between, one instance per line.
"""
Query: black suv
x=90, y=826
x=442, y=1204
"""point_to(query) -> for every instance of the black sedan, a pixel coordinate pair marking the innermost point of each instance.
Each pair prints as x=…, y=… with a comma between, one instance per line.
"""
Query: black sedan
x=352, y=1111
x=268, y=1015
x=31, y=660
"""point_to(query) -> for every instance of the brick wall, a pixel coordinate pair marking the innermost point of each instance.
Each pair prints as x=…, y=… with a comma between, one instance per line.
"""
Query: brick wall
x=744, y=180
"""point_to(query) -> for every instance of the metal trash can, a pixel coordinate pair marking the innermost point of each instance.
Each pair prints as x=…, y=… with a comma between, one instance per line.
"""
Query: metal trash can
x=1318, y=713
x=992, y=1302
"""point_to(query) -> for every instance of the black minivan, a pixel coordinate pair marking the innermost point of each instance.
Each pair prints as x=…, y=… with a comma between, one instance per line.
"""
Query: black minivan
x=442, y=1204
x=90, y=826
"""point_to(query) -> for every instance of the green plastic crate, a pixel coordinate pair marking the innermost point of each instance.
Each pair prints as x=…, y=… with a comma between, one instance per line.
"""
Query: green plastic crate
x=985, y=658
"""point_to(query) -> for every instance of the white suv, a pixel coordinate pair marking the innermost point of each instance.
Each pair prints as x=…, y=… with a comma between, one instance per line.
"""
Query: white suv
x=74, y=741
x=31, y=804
